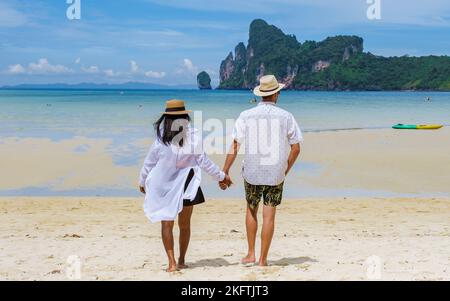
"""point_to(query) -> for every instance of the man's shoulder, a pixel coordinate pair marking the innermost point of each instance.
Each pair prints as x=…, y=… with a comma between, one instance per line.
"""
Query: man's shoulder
x=283, y=111
x=258, y=111
x=248, y=112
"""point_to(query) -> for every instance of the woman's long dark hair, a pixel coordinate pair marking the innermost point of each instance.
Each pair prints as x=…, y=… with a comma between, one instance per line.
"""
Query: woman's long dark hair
x=173, y=127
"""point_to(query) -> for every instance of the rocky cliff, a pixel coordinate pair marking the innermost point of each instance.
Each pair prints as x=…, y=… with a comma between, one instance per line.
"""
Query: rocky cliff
x=336, y=63
x=204, y=81
x=269, y=50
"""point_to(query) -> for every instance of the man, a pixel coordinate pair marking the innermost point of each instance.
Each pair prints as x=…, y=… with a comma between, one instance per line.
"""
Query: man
x=271, y=138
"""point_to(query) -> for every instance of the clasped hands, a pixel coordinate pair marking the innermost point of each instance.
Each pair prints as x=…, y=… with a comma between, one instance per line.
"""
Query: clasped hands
x=226, y=182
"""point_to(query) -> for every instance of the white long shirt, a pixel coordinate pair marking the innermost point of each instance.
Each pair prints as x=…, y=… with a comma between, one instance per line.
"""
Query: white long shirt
x=164, y=174
x=266, y=131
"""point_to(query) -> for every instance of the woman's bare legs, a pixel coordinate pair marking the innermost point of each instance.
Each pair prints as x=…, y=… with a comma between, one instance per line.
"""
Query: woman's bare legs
x=167, y=238
x=184, y=223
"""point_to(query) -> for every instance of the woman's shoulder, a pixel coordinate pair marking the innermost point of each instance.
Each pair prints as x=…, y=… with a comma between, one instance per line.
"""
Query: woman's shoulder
x=194, y=138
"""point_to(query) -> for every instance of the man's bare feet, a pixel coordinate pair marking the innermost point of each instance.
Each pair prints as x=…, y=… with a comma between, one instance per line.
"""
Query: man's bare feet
x=182, y=264
x=248, y=259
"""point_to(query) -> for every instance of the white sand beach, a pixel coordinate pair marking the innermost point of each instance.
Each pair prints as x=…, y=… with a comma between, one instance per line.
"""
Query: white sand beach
x=315, y=239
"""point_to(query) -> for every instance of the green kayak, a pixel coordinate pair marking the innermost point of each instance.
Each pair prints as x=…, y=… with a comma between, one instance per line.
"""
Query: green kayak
x=417, y=126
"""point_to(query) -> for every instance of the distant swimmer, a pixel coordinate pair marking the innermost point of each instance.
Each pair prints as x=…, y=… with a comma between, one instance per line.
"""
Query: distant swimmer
x=428, y=98
x=252, y=101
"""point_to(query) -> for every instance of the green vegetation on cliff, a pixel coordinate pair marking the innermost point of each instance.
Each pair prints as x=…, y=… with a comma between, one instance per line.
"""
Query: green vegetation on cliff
x=366, y=71
x=337, y=63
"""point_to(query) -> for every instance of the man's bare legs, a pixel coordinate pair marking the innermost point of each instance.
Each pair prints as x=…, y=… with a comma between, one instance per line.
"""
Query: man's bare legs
x=251, y=224
x=184, y=223
x=167, y=238
x=267, y=233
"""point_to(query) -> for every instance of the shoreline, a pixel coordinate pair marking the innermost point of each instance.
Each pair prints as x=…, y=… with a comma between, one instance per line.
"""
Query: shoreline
x=385, y=162
x=210, y=90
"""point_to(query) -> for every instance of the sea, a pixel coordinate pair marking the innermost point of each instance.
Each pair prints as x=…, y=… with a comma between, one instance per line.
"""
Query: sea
x=124, y=116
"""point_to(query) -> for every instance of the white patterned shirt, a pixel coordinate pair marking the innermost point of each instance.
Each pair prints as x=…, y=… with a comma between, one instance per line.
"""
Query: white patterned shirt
x=266, y=131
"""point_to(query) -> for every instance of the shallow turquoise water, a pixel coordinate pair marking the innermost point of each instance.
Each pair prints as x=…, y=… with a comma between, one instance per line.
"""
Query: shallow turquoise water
x=58, y=114
x=125, y=116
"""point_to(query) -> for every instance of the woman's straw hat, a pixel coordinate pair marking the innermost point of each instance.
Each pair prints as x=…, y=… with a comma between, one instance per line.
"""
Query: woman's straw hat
x=176, y=107
x=268, y=85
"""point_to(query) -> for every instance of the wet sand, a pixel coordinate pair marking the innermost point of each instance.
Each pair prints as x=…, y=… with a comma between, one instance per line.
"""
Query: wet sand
x=378, y=161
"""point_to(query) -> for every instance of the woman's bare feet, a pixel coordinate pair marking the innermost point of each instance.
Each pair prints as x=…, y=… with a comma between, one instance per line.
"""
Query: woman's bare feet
x=248, y=259
x=172, y=268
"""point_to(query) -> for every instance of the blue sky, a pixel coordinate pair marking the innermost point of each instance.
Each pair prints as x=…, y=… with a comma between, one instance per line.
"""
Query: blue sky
x=170, y=41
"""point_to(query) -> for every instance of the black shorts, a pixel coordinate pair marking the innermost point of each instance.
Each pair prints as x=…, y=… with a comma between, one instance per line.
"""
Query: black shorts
x=199, y=197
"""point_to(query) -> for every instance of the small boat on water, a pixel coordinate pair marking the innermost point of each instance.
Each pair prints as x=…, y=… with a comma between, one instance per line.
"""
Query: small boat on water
x=401, y=126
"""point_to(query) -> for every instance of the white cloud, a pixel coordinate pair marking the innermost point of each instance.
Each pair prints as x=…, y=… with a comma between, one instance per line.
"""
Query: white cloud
x=134, y=67
x=188, y=68
x=187, y=63
x=43, y=66
x=91, y=69
x=16, y=69
x=155, y=74
x=109, y=72
x=135, y=70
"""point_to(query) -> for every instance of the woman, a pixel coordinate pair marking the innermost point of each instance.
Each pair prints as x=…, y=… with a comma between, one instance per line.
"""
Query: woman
x=171, y=175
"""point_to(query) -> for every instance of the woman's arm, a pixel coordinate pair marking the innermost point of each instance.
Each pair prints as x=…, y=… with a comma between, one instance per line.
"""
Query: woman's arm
x=210, y=167
x=150, y=161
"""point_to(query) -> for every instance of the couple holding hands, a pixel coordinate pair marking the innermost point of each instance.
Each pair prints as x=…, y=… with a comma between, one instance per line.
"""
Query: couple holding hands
x=171, y=174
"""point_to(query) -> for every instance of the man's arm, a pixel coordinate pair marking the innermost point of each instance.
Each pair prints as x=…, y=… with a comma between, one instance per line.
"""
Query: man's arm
x=293, y=155
x=231, y=156
x=238, y=135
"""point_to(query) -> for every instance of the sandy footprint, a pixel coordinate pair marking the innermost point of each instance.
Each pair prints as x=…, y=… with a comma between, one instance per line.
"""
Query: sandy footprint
x=249, y=277
x=269, y=270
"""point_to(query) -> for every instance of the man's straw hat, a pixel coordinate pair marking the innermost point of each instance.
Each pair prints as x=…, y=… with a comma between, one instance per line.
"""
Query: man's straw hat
x=175, y=107
x=268, y=85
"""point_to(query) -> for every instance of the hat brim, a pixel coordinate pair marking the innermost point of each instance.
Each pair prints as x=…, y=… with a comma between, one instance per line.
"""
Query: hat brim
x=177, y=112
x=257, y=92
